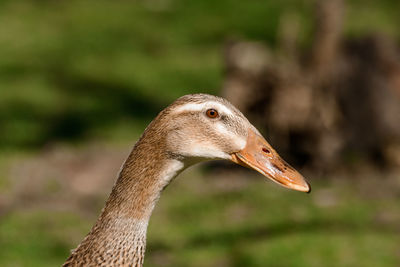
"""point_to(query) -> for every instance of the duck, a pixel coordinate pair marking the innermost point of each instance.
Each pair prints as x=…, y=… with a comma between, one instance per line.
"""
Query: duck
x=194, y=128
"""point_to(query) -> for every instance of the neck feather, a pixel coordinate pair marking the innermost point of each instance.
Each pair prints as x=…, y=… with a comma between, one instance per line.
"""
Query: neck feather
x=119, y=235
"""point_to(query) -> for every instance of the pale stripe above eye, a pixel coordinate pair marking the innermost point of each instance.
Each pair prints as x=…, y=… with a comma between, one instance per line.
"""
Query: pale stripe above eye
x=190, y=107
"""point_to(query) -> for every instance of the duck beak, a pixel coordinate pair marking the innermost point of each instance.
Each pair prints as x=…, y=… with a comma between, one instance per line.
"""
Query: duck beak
x=260, y=156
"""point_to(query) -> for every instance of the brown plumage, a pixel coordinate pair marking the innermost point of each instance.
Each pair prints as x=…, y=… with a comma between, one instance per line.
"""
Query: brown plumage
x=181, y=135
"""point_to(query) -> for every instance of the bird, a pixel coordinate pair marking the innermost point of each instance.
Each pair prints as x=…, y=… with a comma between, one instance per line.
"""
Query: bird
x=194, y=128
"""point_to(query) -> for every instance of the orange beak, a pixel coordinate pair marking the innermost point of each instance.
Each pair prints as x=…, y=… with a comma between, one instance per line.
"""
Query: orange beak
x=260, y=156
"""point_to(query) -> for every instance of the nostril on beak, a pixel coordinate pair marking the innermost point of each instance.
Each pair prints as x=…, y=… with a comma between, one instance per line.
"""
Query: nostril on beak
x=266, y=150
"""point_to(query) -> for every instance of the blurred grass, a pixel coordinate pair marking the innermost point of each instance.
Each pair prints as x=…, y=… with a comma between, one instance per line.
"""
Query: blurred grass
x=37, y=238
x=201, y=221
x=72, y=70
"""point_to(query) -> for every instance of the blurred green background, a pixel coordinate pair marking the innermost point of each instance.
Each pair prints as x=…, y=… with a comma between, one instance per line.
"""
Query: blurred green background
x=80, y=80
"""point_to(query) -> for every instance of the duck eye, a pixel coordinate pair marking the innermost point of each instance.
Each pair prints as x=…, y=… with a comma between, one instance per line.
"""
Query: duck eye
x=212, y=113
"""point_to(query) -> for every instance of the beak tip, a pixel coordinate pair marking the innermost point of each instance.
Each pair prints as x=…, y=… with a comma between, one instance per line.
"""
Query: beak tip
x=309, y=188
x=303, y=188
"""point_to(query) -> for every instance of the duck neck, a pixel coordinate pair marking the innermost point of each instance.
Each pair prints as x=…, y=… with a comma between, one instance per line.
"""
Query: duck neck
x=119, y=235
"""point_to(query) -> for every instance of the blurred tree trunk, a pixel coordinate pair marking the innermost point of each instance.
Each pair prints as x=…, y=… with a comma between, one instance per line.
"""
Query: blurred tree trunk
x=338, y=102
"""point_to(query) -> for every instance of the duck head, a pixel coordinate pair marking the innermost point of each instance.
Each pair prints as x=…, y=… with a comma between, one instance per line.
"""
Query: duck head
x=204, y=127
